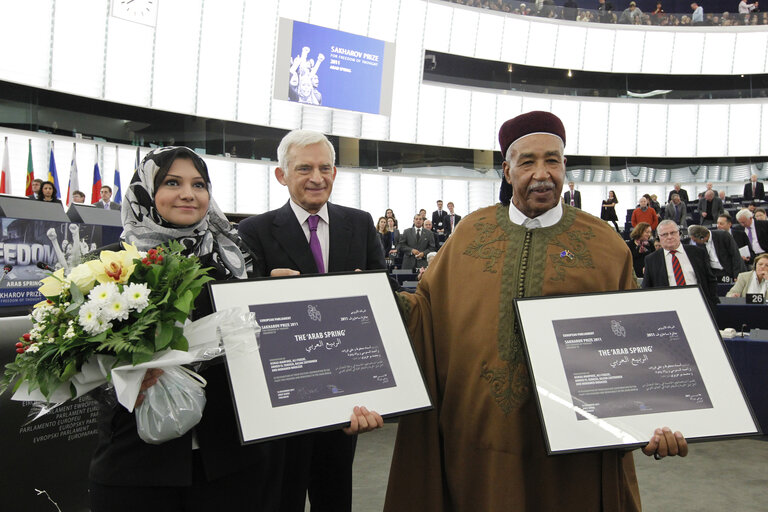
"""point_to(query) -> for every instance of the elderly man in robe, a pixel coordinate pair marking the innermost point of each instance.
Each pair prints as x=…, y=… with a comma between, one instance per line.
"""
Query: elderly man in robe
x=482, y=447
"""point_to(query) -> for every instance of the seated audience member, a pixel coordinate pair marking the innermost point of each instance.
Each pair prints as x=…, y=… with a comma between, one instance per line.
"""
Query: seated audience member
x=453, y=219
x=679, y=191
x=78, y=197
x=752, y=207
x=36, y=184
x=679, y=265
x=389, y=214
x=631, y=15
x=754, y=281
x=710, y=207
x=676, y=211
x=760, y=214
x=756, y=231
x=48, y=193
x=415, y=243
x=724, y=257
x=754, y=189
x=644, y=213
x=640, y=246
x=722, y=197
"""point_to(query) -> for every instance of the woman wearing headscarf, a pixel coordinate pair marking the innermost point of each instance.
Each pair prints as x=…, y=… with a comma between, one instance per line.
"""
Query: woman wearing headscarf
x=169, y=198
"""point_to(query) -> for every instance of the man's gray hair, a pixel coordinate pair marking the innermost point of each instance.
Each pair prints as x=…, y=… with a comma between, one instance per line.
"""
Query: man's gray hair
x=301, y=139
x=696, y=231
x=666, y=222
x=743, y=214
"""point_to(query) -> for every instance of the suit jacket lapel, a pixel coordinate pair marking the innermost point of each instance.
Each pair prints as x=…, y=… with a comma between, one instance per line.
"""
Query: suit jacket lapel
x=339, y=239
x=289, y=235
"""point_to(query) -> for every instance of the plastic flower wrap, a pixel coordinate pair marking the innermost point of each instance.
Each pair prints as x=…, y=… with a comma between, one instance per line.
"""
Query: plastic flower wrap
x=126, y=306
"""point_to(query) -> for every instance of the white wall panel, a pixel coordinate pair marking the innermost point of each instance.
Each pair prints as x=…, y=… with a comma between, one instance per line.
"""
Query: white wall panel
x=253, y=184
x=515, y=40
x=718, y=51
x=256, y=63
x=346, y=189
x=278, y=193
x=490, y=31
x=219, y=59
x=28, y=62
x=507, y=107
x=286, y=114
x=764, y=130
x=437, y=34
x=538, y=102
x=593, y=127
x=355, y=16
x=374, y=127
x=482, y=194
x=687, y=53
x=657, y=53
x=571, y=40
x=430, y=115
x=78, y=47
x=384, y=19
x=129, y=66
x=222, y=172
x=402, y=200
x=325, y=13
x=457, y=192
x=622, y=129
x=175, y=74
x=456, y=125
x=750, y=52
x=482, y=120
x=568, y=112
x=542, y=41
x=681, y=129
x=651, y=129
x=744, y=129
x=408, y=68
x=628, y=51
x=374, y=194
x=316, y=118
x=345, y=123
x=598, y=52
x=464, y=33
x=712, y=130
x=295, y=10
x=428, y=191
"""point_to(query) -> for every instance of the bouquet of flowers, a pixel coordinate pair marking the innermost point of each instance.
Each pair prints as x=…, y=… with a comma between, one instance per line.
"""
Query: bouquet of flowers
x=127, y=305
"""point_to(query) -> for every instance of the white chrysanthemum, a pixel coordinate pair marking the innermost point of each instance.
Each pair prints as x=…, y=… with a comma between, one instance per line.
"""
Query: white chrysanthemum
x=89, y=317
x=137, y=295
x=115, y=309
x=103, y=293
x=32, y=348
x=41, y=314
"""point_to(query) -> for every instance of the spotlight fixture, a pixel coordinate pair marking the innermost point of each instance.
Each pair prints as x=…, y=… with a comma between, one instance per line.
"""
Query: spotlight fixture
x=570, y=74
x=509, y=68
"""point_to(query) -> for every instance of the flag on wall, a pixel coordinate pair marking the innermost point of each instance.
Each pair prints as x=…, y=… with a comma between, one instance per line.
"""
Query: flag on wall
x=30, y=172
x=52, y=176
x=74, y=182
x=5, y=179
x=118, y=198
x=96, y=187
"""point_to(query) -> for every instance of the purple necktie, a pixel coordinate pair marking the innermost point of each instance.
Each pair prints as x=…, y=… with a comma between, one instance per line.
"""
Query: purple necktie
x=314, y=243
x=749, y=235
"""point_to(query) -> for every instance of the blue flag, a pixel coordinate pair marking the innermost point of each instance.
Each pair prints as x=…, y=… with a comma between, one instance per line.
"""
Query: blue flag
x=118, y=190
x=52, y=176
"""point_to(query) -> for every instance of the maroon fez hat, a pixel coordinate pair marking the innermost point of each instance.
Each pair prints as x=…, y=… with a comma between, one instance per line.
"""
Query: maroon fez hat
x=521, y=126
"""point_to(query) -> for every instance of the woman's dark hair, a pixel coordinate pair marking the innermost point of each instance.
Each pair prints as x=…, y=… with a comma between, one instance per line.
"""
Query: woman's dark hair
x=379, y=222
x=639, y=230
x=41, y=197
x=611, y=193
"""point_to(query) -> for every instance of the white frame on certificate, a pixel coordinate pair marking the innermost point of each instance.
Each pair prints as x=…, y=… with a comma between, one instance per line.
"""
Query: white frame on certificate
x=258, y=419
x=730, y=414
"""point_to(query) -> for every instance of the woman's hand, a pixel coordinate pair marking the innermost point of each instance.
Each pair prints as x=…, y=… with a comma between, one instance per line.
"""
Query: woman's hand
x=150, y=379
x=664, y=443
x=363, y=420
x=282, y=272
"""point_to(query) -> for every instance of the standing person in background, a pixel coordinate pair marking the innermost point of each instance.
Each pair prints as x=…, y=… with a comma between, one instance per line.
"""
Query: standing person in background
x=439, y=218
x=640, y=245
x=608, y=210
x=36, y=184
x=381, y=230
x=105, y=202
x=393, y=237
x=676, y=211
x=754, y=189
x=572, y=196
x=643, y=213
x=710, y=208
x=310, y=235
x=453, y=219
x=697, y=18
x=679, y=191
x=416, y=243
x=389, y=214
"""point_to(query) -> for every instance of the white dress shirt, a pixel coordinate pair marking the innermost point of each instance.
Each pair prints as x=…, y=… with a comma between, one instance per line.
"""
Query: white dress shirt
x=545, y=220
x=685, y=265
x=714, y=262
x=755, y=243
x=323, y=227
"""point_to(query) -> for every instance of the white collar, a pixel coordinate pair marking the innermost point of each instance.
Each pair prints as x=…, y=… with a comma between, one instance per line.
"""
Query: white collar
x=678, y=249
x=545, y=220
x=302, y=215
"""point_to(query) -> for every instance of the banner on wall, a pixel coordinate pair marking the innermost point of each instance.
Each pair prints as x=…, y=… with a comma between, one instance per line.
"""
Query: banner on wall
x=330, y=68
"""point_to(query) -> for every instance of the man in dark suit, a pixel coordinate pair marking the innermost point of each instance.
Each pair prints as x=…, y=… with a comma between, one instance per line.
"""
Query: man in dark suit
x=679, y=265
x=309, y=235
x=756, y=232
x=572, y=197
x=439, y=218
x=754, y=190
x=725, y=224
x=453, y=219
x=679, y=191
x=415, y=244
x=105, y=203
x=36, y=184
x=724, y=257
x=710, y=208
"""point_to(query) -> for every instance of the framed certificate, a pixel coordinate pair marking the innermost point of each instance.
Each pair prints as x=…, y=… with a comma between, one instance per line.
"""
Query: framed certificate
x=326, y=343
x=609, y=368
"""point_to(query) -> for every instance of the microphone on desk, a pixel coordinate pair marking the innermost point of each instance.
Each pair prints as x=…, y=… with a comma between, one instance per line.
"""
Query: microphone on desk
x=743, y=328
x=43, y=266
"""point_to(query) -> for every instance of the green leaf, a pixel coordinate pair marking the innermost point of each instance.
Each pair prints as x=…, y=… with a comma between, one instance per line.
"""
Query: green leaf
x=153, y=276
x=77, y=295
x=164, y=335
x=69, y=371
x=184, y=303
x=179, y=341
x=141, y=357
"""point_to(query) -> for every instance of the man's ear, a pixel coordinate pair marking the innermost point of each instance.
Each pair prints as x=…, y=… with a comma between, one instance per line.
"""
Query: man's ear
x=280, y=175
